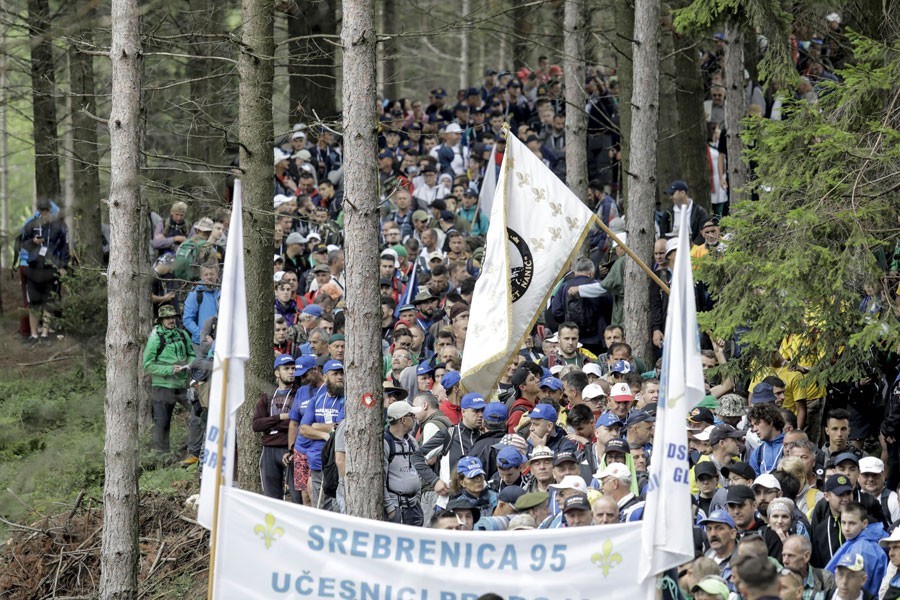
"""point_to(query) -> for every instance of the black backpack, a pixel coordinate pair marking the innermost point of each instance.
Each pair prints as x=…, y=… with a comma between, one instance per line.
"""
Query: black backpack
x=330, y=476
x=582, y=312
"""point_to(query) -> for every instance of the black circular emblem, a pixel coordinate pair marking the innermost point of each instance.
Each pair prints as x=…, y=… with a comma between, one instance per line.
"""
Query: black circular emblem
x=521, y=265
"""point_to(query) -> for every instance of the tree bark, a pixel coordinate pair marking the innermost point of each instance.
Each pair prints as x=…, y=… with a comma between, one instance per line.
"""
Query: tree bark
x=642, y=192
x=202, y=141
x=667, y=137
x=365, y=454
x=4, y=150
x=86, y=176
x=43, y=83
x=313, y=85
x=735, y=108
x=521, y=30
x=695, y=167
x=120, y=552
x=256, y=68
x=576, y=119
x=624, y=13
x=391, y=73
x=464, y=37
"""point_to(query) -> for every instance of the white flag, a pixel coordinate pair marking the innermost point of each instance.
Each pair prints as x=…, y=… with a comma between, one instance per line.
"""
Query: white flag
x=488, y=184
x=667, y=536
x=232, y=342
x=536, y=227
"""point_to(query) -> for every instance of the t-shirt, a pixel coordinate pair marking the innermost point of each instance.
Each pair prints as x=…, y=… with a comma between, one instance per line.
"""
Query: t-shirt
x=324, y=408
x=794, y=389
x=298, y=408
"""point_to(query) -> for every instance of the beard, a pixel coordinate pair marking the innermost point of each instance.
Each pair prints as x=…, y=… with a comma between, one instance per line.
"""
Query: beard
x=335, y=389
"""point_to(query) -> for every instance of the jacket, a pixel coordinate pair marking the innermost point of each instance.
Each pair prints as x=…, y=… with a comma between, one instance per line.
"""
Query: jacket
x=598, y=310
x=456, y=441
x=698, y=218
x=874, y=558
x=197, y=312
x=765, y=457
x=166, y=348
x=483, y=450
x=516, y=413
x=272, y=426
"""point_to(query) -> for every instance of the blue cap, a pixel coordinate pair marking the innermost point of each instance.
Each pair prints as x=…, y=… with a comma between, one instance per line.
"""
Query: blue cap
x=471, y=400
x=846, y=456
x=508, y=458
x=543, y=411
x=406, y=307
x=762, y=394
x=638, y=416
x=313, y=309
x=608, y=419
x=450, y=379
x=424, y=368
x=676, y=186
x=283, y=359
x=853, y=561
x=552, y=382
x=510, y=494
x=333, y=365
x=545, y=372
x=495, y=412
x=719, y=516
x=304, y=364
x=621, y=366
x=469, y=466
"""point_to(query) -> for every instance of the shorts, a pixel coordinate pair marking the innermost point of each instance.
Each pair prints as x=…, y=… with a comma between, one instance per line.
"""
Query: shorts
x=301, y=471
x=865, y=421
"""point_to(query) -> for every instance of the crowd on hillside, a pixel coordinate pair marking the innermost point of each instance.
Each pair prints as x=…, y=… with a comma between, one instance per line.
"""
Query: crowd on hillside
x=793, y=483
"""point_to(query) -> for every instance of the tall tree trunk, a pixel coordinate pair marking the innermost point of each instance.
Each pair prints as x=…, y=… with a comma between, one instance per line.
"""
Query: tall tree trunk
x=365, y=456
x=120, y=552
x=4, y=149
x=68, y=174
x=256, y=70
x=624, y=12
x=735, y=108
x=667, y=136
x=313, y=85
x=43, y=83
x=86, y=176
x=521, y=30
x=389, y=45
x=642, y=172
x=576, y=119
x=464, y=37
x=202, y=140
x=695, y=167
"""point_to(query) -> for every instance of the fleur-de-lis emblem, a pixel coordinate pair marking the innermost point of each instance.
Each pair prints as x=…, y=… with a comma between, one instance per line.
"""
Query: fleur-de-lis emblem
x=268, y=532
x=511, y=162
x=540, y=194
x=572, y=222
x=556, y=207
x=607, y=559
x=555, y=233
x=524, y=179
x=538, y=243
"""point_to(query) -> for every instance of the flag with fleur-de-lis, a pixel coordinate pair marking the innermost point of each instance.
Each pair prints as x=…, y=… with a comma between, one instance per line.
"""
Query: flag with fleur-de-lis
x=536, y=227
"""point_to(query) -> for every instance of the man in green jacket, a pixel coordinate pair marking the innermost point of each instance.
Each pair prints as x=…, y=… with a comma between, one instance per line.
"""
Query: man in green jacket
x=167, y=358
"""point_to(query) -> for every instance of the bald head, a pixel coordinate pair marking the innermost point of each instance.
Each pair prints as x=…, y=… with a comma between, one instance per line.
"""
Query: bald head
x=605, y=511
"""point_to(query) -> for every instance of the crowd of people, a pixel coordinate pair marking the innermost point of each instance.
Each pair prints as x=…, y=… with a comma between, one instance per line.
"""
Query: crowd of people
x=793, y=483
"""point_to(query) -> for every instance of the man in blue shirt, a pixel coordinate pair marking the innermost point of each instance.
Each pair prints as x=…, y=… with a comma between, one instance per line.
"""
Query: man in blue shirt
x=318, y=423
x=312, y=383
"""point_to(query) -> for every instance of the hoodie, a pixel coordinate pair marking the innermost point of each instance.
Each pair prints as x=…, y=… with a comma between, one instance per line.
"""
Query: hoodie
x=519, y=408
x=764, y=459
x=874, y=558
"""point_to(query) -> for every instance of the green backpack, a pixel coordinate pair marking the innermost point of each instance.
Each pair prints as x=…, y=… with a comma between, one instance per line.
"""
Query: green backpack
x=191, y=254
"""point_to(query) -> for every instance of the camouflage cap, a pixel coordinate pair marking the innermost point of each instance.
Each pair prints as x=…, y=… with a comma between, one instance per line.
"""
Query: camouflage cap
x=732, y=405
x=166, y=310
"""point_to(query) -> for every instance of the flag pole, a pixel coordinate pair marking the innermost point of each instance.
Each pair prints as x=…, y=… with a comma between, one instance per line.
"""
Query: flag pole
x=633, y=256
x=220, y=449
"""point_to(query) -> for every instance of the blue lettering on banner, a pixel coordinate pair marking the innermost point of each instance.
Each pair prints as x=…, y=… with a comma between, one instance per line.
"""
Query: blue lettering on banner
x=677, y=451
x=382, y=547
x=212, y=434
x=326, y=587
x=681, y=475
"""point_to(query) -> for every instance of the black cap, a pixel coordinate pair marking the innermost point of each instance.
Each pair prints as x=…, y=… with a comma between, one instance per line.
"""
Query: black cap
x=618, y=445
x=739, y=468
x=510, y=494
x=706, y=468
x=724, y=431
x=562, y=457
x=677, y=186
x=701, y=414
x=738, y=494
x=838, y=484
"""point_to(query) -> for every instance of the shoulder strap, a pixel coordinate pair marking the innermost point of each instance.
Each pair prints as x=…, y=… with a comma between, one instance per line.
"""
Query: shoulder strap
x=163, y=340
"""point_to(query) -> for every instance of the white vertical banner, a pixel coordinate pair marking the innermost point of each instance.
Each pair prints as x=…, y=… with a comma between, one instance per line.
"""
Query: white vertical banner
x=667, y=537
x=536, y=227
x=488, y=184
x=232, y=343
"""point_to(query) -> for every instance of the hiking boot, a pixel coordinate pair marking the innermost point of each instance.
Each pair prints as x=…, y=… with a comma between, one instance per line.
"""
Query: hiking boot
x=190, y=460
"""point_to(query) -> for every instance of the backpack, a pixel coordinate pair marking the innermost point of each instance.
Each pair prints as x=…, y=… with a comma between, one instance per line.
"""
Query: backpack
x=163, y=341
x=582, y=312
x=188, y=259
x=330, y=476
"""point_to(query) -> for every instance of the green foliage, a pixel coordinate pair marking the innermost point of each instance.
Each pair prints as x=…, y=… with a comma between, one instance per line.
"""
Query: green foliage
x=83, y=307
x=803, y=257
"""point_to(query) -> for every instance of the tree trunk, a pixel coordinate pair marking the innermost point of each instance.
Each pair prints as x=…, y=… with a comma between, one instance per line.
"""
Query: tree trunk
x=4, y=150
x=576, y=119
x=365, y=454
x=43, y=83
x=86, y=176
x=256, y=70
x=695, y=167
x=521, y=30
x=624, y=11
x=642, y=173
x=391, y=71
x=735, y=108
x=313, y=85
x=202, y=140
x=464, y=37
x=120, y=552
x=667, y=137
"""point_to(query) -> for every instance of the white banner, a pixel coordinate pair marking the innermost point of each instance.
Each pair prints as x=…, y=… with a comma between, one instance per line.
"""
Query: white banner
x=233, y=343
x=488, y=184
x=667, y=538
x=273, y=549
x=536, y=226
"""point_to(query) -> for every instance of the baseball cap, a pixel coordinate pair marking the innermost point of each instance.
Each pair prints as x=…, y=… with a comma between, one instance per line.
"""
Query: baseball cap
x=419, y=215
x=739, y=468
x=618, y=445
x=713, y=584
x=762, y=394
x=469, y=467
x=521, y=523
x=671, y=245
x=531, y=500
x=424, y=368
x=398, y=410
x=556, y=369
x=453, y=128
x=337, y=337
x=509, y=458
x=495, y=412
x=295, y=238
x=676, y=186
x=838, y=484
x=473, y=401
x=540, y=453
x=639, y=416
x=722, y=432
x=592, y=391
x=846, y=456
x=563, y=457
x=617, y=470
x=312, y=309
x=333, y=365
x=700, y=415
x=576, y=502
x=870, y=464
x=853, y=561
x=894, y=537
x=510, y=494
x=731, y=405
x=621, y=366
x=512, y=439
x=703, y=436
x=551, y=382
x=450, y=379
x=738, y=494
x=591, y=369
x=719, y=516
x=277, y=276
x=321, y=268
x=406, y=307
x=768, y=481
x=705, y=468
x=283, y=359
x=303, y=364
x=570, y=482
x=621, y=393
x=553, y=339
x=608, y=419
x=543, y=411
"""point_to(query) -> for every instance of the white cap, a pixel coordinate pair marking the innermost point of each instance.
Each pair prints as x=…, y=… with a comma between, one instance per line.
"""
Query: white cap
x=281, y=199
x=278, y=276
x=400, y=409
x=617, y=470
x=592, y=369
x=436, y=255
x=894, y=537
x=592, y=391
x=553, y=339
x=570, y=482
x=671, y=244
x=391, y=253
x=623, y=237
x=312, y=235
x=453, y=128
x=870, y=464
x=833, y=18
x=767, y=480
x=332, y=247
x=621, y=392
x=556, y=369
x=703, y=436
